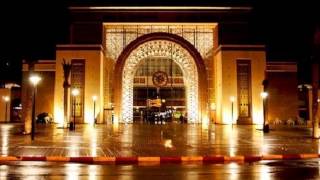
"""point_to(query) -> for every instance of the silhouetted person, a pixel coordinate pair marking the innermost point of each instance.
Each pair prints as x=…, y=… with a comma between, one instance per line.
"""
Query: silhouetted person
x=181, y=119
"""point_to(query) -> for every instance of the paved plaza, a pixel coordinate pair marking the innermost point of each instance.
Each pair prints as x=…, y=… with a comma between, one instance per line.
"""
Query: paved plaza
x=156, y=140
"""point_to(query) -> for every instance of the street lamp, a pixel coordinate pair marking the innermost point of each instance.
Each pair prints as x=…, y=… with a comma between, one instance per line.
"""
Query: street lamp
x=264, y=96
x=6, y=99
x=75, y=92
x=232, y=99
x=34, y=80
x=94, y=98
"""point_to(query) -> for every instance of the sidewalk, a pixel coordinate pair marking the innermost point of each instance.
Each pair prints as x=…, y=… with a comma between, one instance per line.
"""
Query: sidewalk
x=170, y=140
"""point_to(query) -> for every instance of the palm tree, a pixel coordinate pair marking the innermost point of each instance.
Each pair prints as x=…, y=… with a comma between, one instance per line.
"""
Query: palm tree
x=66, y=73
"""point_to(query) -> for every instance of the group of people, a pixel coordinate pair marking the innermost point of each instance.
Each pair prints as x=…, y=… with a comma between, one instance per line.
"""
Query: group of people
x=156, y=118
x=161, y=118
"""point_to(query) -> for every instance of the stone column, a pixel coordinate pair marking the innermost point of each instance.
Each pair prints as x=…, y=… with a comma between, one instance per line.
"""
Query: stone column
x=314, y=99
x=27, y=105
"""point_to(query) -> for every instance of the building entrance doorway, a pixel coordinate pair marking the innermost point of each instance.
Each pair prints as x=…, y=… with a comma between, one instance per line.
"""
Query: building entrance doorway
x=156, y=68
x=159, y=92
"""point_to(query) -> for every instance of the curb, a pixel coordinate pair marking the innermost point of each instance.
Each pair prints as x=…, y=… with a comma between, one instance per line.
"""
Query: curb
x=214, y=159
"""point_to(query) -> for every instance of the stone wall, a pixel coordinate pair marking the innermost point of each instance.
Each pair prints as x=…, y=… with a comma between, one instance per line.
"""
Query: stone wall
x=283, y=96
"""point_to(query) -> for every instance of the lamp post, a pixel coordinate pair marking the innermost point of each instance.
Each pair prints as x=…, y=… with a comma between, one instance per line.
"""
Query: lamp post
x=34, y=79
x=6, y=99
x=75, y=92
x=264, y=96
x=232, y=99
x=94, y=98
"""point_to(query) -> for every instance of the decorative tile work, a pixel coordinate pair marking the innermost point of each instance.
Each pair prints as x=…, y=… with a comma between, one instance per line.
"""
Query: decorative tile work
x=160, y=48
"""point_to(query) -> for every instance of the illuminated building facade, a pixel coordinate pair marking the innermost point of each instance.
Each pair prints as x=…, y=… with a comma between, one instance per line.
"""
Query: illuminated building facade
x=191, y=59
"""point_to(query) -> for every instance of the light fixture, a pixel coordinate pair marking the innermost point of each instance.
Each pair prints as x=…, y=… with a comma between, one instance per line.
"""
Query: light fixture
x=34, y=79
x=213, y=106
x=6, y=98
x=94, y=98
x=232, y=98
x=264, y=95
x=75, y=92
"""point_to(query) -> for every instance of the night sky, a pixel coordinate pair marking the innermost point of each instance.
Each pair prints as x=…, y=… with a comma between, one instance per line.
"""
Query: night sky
x=31, y=30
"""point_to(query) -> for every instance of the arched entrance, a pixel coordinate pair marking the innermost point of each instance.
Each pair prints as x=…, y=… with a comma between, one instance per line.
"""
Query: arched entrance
x=161, y=45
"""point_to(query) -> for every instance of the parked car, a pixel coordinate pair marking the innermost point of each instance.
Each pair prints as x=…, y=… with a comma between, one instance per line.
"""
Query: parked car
x=44, y=118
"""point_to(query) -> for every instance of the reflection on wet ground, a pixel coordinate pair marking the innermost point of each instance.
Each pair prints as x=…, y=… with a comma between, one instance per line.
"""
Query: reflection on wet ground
x=155, y=140
x=265, y=170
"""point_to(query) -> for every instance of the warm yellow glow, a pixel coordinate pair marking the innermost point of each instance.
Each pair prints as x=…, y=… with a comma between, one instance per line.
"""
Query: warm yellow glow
x=257, y=115
x=115, y=119
x=265, y=172
x=227, y=119
x=74, y=146
x=115, y=127
x=233, y=170
x=257, y=110
x=213, y=106
x=89, y=116
x=180, y=56
x=58, y=116
x=92, y=171
x=232, y=98
x=75, y=92
x=163, y=100
x=34, y=79
x=264, y=95
x=168, y=143
x=94, y=98
x=232, y=136
x=229, y=113
x=73, y=171
x=92, y=134
x=6, y=98
x=205, y=122
x=5, y=137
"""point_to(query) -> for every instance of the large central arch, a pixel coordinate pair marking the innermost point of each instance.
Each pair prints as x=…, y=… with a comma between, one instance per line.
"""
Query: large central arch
x=161, y=45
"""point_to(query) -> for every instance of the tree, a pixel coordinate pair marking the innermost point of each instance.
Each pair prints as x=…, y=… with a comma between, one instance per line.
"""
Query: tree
x=66, y=73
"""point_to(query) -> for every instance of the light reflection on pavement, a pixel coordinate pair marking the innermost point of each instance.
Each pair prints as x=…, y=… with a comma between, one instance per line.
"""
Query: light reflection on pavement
x=265, y=170
x=155, y=140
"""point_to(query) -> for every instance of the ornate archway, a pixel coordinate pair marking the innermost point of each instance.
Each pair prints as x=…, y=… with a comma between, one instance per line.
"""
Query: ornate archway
x=161, y=45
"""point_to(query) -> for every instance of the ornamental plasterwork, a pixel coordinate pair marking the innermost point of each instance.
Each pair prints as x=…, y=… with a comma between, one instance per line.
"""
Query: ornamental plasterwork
x=164, y=49
x=119, y=36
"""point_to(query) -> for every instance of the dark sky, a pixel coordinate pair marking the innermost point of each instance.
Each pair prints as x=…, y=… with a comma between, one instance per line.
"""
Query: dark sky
x=31, y=30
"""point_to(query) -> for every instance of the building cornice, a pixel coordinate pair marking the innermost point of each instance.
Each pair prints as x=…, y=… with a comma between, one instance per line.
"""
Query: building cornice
x=236, y=47
x=282, y=67
x=41, y=65
x=159, y=8
x=85, y=47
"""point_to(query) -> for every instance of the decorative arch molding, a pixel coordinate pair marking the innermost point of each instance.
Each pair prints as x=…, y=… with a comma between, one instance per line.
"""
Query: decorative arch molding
x=162, y=45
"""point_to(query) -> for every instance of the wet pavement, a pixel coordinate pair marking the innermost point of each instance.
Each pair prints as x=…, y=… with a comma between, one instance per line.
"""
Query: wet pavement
x=265, y=170
x=156, y=140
